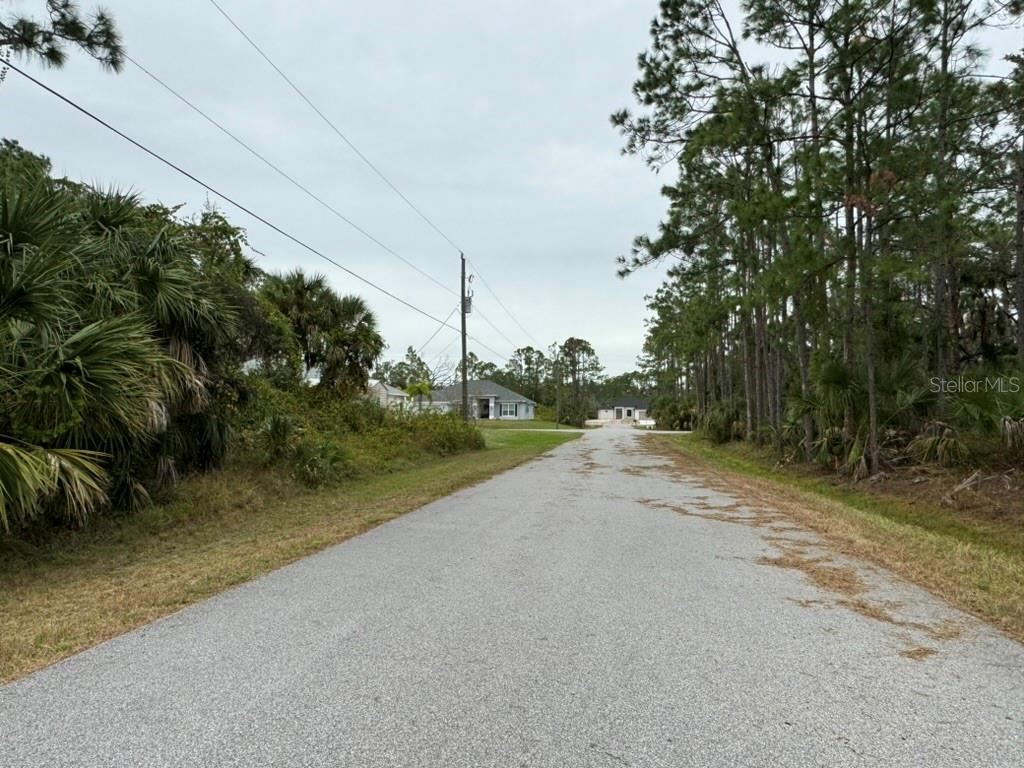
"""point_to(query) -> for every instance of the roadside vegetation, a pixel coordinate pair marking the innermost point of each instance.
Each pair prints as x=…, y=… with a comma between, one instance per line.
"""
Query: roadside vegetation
x=845, y=231
x=137, y=347
x=973, y=558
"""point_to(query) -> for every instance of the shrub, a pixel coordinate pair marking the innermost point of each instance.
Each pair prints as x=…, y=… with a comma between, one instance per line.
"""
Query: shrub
x=319, y=463
x=326, y=411
x=1013, y=431
x=277, y=437
x=674, y=412
x=444, y=434
x=939, y=443
x=718, y=424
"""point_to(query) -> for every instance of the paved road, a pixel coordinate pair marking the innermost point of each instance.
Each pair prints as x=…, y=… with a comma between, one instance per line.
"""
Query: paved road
x=559, y=615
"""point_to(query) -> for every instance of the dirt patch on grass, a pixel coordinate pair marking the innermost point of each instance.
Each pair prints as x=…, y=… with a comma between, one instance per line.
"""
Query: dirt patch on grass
x=993, y=495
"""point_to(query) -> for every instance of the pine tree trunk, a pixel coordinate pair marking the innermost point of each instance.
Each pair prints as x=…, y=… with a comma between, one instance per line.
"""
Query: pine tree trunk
x=759, y=370
x=867, y=278
x=748, y=373
x=849, y=243
x=1019, y=245
x=803, y=364
x=940, y=266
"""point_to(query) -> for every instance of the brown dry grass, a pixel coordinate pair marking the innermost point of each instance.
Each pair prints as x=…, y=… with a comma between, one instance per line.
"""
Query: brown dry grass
x=977, y=566
x=918, y=653
x=80, y=588
x=831, y=578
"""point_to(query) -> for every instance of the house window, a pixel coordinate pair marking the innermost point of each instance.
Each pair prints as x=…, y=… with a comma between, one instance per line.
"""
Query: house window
x=629, y=413
x=508, y=409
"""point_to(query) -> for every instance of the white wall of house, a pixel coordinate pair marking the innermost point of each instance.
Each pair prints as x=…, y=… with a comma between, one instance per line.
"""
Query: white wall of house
x=522, y=410
x=387, y=399
x=519, y=411
x=621, y=414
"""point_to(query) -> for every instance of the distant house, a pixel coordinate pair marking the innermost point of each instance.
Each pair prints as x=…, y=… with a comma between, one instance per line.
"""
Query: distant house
x=386, y=395
x=487, y=400
x=626, y=408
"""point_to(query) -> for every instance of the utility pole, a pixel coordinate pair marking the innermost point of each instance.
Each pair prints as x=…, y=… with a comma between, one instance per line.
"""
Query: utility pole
x=556, y=372
x=465, y=364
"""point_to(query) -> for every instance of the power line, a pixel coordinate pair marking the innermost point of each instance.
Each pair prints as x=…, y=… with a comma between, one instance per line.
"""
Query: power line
x=286, y=176
x=476, y=310
x=301, y=94
x=309, y=193
x=332, y=126
x=232, y=201
x=437, y=330
x=502, y=305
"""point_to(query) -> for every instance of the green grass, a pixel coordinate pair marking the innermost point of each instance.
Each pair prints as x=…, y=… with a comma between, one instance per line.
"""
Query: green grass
x=529, y=442
x=77, y=588
x=976, y=563
x=519, y=424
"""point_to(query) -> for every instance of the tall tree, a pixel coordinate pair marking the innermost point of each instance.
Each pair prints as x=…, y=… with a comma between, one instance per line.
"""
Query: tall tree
x=839, y=226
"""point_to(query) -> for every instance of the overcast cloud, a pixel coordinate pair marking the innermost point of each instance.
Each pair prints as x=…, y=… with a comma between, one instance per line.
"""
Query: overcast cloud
x=492, y=117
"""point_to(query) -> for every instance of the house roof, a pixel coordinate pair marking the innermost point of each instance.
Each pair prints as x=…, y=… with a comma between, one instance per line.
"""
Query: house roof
x=628, y=401
x=395, y=391
x=481, y=388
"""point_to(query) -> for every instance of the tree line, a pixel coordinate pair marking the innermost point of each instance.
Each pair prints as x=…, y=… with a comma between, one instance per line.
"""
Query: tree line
x=128, y=339
x=567, y=379
x=845, y=229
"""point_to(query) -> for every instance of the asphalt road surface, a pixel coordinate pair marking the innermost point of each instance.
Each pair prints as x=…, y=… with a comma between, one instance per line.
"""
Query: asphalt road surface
x=594, y=607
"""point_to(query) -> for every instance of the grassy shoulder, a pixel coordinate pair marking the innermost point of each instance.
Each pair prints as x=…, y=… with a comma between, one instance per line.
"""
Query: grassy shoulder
x=79, y=588
x=974, y=561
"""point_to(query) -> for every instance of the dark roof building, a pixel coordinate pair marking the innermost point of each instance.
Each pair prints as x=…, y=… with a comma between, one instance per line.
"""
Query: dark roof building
x=481, y=388
x=629, y=401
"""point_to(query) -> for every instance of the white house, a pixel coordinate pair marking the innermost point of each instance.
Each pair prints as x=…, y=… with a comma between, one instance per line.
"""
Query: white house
x=386, y=395
x=627, y=408
x=487, y=400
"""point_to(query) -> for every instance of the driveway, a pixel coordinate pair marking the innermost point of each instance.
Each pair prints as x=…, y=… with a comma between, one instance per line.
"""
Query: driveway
x=598, y=606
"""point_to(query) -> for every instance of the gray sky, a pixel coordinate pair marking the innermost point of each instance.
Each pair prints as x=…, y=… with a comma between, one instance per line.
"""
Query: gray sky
x=492, y=117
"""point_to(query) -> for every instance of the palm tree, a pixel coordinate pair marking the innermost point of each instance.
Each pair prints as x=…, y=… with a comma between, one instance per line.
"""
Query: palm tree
x=353, y=345
x=74, y=389
x=107, y=329
x=338, y=335
x=304, y=301
x=419, y=390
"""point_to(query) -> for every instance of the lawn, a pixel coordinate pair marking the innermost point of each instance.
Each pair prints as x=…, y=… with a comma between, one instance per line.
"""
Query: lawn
x=78, y=588
x=527, y=442
x=520, y=424
x=975, y=562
